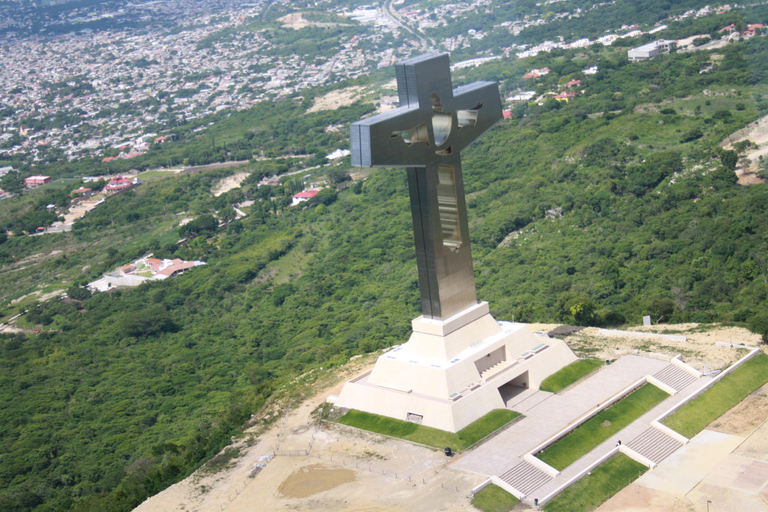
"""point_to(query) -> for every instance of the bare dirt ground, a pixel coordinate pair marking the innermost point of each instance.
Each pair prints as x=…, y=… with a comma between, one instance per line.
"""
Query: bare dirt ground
x=336, y=99
x=743, y=419
x=699, y=350
x=296, y=21
x=757, y=132
x=42, y=297
x=77, y=212
x=229, y=183
x=346, y=469
x=322, y=466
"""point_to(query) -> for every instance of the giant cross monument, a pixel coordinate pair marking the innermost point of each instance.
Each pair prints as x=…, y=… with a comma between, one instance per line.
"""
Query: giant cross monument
x=459, y=363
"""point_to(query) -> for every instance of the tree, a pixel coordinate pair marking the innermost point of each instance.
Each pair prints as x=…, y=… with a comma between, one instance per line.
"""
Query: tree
x=78, y=293
x=337, y=175
x=759, y=325
x=729, y=158
x=12, y=183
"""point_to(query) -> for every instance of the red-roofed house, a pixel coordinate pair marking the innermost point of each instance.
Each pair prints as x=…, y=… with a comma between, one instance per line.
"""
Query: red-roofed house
x=119, y=184
x=573, y=83
x=536, y=73
x=304, y=195
x=82, y=192
x=175, y=269
x=565, y=96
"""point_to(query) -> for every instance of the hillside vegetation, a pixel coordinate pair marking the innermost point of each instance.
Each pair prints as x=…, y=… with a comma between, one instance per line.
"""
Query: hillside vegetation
x=617, y=204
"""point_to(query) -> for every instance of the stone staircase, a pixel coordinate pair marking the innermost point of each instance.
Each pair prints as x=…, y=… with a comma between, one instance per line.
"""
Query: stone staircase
x=525, y=477
x=654, y=445
x=674, y=377
x=496, y=369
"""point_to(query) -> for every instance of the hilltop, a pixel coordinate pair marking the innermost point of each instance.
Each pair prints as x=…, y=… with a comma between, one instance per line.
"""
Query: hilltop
x=594, y=211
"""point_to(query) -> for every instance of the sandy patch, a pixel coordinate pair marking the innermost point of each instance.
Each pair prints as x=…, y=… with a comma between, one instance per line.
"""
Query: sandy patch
x=229, y=183
x=336, y=99
x=756, y=447
x=635, y=499
x=42, y=297
x=313, y=479
x=743, y=419
x=77, y=212
x=296, y=21
x=756, y=132
x=699, y=350
x=346, y=469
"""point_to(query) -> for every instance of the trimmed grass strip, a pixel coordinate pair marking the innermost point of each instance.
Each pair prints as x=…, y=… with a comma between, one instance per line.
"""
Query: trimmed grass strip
x=601, y=426
x=590, y=491
x=461, y=440
x=570, y=374
x=494, y=499
x=694, y=416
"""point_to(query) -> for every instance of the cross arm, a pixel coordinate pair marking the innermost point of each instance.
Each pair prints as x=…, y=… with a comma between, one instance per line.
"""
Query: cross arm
x=378, y=141
x=483, y=94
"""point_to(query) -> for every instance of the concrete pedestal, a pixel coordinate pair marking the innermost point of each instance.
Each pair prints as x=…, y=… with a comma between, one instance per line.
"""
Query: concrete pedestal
x=451, y=372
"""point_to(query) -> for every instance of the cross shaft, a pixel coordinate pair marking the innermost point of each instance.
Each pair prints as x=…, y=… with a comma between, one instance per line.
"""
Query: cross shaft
x=426, y=134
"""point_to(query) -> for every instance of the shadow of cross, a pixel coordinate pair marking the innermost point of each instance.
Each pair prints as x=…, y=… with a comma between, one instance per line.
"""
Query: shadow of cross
x=426, y=134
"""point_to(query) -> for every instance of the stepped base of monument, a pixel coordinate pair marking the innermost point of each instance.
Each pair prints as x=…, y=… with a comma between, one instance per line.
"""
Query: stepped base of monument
x=456, y=373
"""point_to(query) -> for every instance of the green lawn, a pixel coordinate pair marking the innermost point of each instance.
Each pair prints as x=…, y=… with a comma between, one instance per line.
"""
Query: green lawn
x=600, y=427
x=494, y=499
x=461, y=440
x=606, y=480
x=694, y=416
x=568, y=375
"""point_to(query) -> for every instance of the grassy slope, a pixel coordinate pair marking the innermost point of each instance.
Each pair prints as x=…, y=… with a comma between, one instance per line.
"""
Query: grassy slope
x=568, y=375
x=461, y=440
x=494, y=499
x=605, y=481
x=600, y=427
x=692, y=418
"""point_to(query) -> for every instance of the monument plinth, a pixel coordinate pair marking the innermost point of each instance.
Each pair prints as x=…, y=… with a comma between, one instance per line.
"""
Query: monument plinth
x=459, y=363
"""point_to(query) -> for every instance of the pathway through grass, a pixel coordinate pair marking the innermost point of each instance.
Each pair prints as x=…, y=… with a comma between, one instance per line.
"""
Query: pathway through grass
x=601, y=426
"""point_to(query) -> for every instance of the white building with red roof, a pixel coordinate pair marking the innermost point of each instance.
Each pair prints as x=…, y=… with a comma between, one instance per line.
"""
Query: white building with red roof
x=304, y=195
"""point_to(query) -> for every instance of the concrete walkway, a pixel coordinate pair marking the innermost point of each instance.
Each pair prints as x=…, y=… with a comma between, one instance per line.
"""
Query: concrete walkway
x=547, y=414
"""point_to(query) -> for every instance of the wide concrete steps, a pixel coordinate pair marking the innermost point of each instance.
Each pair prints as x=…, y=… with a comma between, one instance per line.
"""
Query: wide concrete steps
x=525, y=477
x=674, y=377
x=654, y=444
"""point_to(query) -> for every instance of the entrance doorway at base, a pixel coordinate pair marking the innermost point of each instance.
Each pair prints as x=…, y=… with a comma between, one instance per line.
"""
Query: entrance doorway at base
x=513, y=388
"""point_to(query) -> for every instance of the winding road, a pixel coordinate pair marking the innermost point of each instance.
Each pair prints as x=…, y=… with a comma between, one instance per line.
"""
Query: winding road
x=391, y=13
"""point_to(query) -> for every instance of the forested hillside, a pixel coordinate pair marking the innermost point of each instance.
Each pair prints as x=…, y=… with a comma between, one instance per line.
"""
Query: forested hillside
x=595, y=211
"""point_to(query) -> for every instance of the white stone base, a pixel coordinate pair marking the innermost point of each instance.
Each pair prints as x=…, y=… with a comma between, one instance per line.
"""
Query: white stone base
x=449, y=372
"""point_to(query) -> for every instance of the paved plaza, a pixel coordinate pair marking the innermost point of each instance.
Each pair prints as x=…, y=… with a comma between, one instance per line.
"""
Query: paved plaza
x=546, y=414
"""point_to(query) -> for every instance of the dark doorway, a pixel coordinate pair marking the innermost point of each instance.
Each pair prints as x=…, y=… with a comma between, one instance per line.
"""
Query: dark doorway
x=513, y=388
